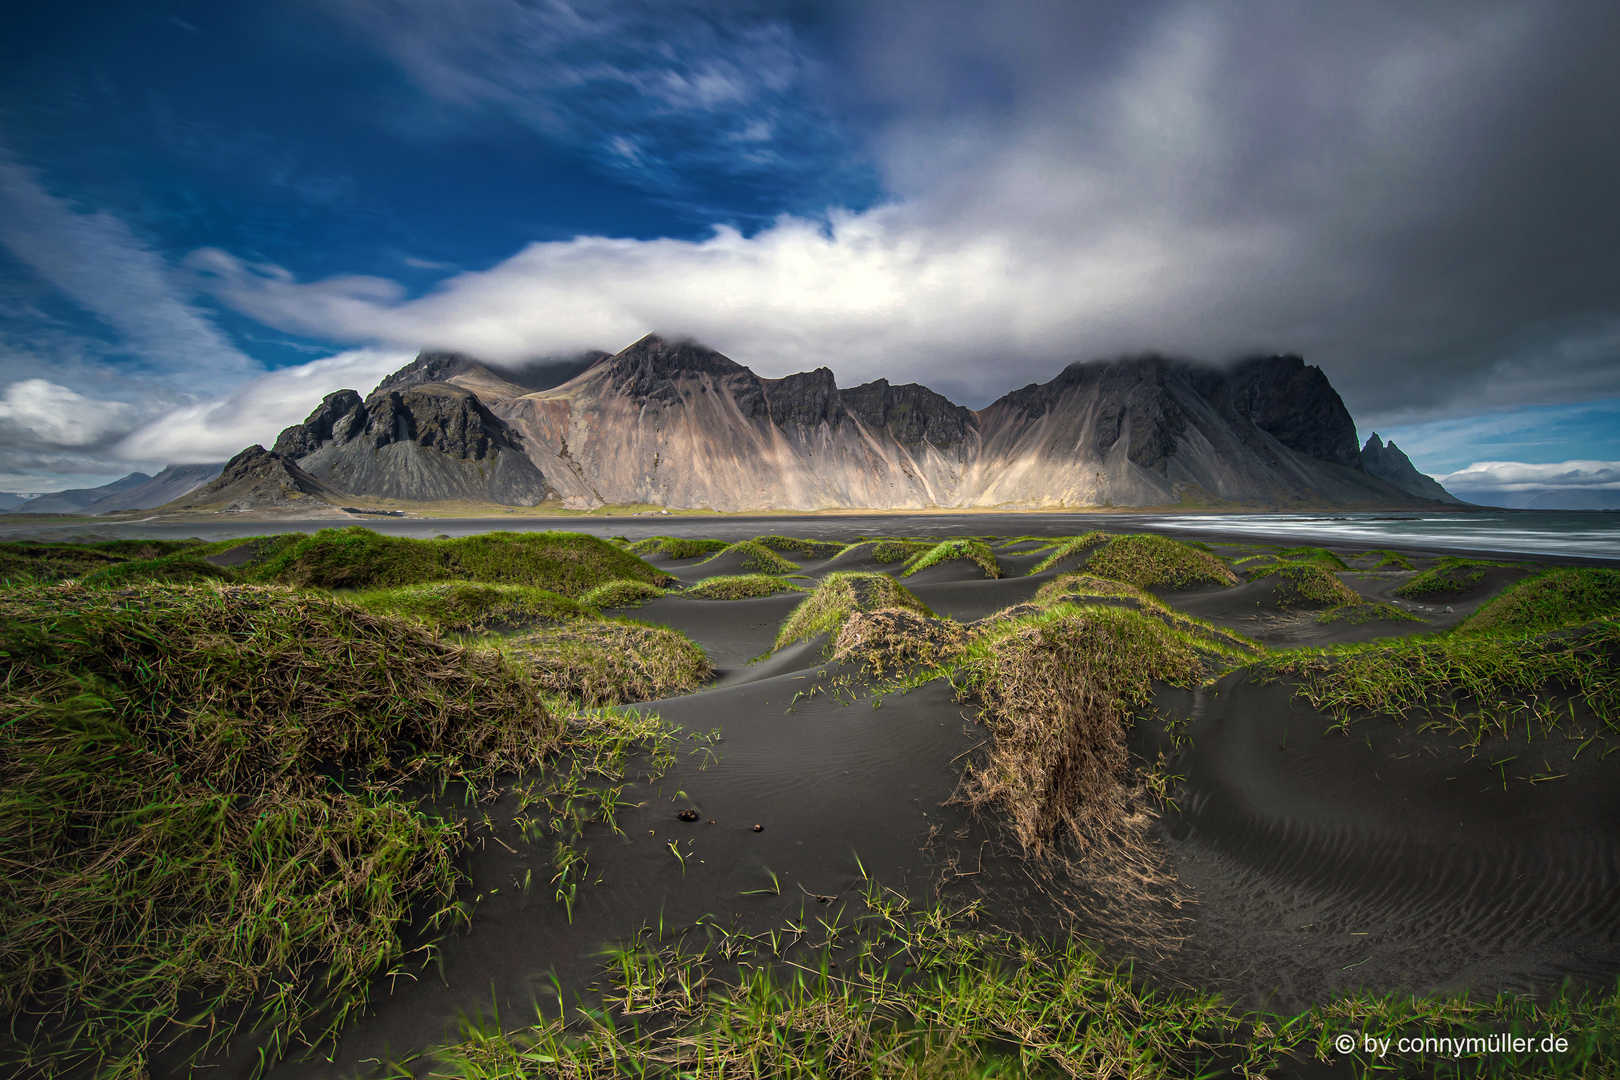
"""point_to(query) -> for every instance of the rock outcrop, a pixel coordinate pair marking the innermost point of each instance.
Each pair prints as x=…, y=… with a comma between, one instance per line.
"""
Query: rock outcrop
x=1387, y=462
x=417, y=442
x=260, y=479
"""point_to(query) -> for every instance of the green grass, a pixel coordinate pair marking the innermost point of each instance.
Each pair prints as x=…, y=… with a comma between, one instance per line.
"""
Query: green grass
x=27, y=561
x=198, y=801
x=1472, y=686
x=1363, y=612
x=840, y=595
x=1447, y=578
x=1149, y=561
x=1567, y=596
x=931, y=994
x=810, y=549
x=1388, y=558
x=974, y=551
x=676, y=547
x=357, y=558
x=471, y=606
x=756, y=558
x=182, y=568
x=1079, y=590
x=612, y=662
x=1069, y=548
x=886, y=551
x=1319, y=556
x=621, y=593
x=740, y=587
x=1307, y=584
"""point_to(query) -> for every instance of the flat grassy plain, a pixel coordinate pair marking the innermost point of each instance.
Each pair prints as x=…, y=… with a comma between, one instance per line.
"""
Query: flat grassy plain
x=1087, y=805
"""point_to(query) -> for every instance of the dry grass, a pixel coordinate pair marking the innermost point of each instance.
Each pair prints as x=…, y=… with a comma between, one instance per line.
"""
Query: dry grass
x=1056, y=691
x=840, y=595
x=613, y=662
x=621, y=593
x=1148, y=561
x=195, y=802
x=894, y=640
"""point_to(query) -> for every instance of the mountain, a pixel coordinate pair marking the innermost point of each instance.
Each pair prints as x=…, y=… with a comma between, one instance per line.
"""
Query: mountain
x=259, y=479
x=75, y=500
x=672, y=423
x=10, y=500
x=1387, y=462
x=416, y=441
x=166, y=486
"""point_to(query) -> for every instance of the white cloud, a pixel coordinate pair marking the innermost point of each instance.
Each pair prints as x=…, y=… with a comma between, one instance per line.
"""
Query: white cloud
x=53, y=415
x=96, y=260
x=217, y=430
x=1510, y=476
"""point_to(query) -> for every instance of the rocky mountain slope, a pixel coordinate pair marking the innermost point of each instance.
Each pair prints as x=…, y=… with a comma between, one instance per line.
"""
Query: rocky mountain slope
x=673, y=423
x=1387, y=462
x=170, y=484
x=260, y=479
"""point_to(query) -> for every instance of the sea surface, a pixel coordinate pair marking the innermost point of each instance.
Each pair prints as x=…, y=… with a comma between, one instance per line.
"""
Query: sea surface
x=1553, y=534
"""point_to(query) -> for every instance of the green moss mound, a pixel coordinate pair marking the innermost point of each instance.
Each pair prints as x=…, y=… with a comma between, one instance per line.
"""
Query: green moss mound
x=1149, y=561
x=471, y=606
x=176, y=816
x=1568, y=596
x=621, y=593
x=357, y=558
x=740, y=587
x=841, y=595
x=1056, y=691
x=1319, y=556
x=613, y=662
x=676, y=547
x=1307, y=584
x=1075, y=587
x=976, y=552
x=885, y=551
x=1448, y=578
x=1365, y=612
x=1071, y=547
x=756, y=558
x=1388, y=558
x=183, y=568
x=25, y=561
x=810, y=549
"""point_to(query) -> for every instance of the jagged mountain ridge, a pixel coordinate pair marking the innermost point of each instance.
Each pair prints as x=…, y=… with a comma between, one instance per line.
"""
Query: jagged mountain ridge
x=1388, y=462
x=672, y=423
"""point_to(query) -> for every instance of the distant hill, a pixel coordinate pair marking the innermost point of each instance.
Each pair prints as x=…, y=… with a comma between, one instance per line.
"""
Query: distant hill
x=672, y=423
x=75, y=500
x=166, y=486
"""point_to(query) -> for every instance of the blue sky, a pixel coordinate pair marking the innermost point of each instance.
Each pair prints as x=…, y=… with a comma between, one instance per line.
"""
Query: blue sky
x=212, y=214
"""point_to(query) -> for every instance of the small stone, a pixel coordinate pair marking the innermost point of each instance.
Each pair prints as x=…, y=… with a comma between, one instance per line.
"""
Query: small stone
x=759, y=828
x=688, y=815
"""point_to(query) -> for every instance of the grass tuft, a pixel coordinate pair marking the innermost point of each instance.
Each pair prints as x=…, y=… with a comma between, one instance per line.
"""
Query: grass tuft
x=1388, y=558
x=1567, y=596
x=976, y=552
x=676, y=547
x=358, y=558
x=740, y=587
x=810, y=549
x=840, y=595
x=197, y=801
x=472, y=607
x=1149, y=561
x=894, y=640
x=1068, y=549
x=1447, y=578
x=27, y=561
x=1363, y=612
x=613, y=662
x=886, y=551
x=1307, y=584
x=1056, y=690
x=757, y=558
x=621, y=593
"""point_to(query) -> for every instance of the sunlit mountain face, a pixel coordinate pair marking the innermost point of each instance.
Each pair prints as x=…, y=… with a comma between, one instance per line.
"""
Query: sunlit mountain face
x=212, y=215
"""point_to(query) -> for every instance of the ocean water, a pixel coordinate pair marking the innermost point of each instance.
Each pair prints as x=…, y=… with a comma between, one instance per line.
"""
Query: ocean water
x=1592, y=535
